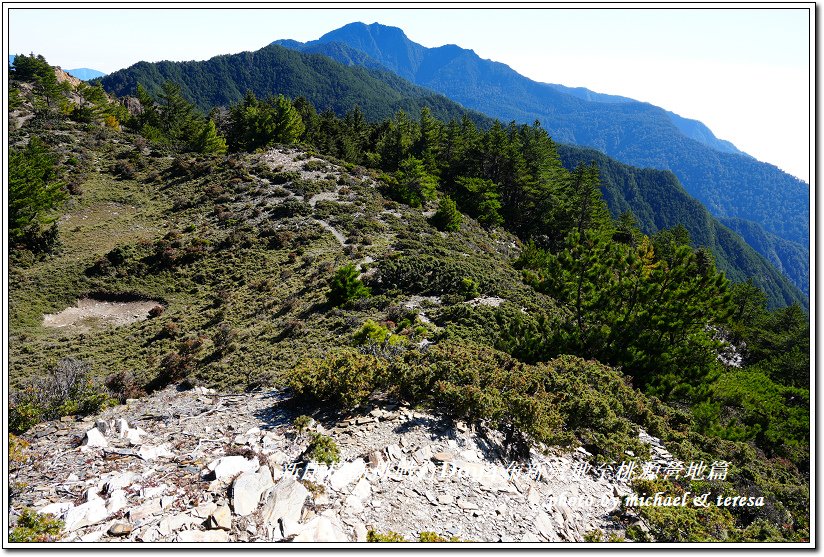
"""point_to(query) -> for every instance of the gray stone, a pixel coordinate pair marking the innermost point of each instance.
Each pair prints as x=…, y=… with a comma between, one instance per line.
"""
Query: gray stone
x=322, y=529
x=285, y=500
x=248, y=488
x=467, y=505
x=346, y=474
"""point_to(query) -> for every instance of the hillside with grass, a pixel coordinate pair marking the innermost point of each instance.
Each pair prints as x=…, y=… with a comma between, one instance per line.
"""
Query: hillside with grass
x=333, y=89
x=461, y=271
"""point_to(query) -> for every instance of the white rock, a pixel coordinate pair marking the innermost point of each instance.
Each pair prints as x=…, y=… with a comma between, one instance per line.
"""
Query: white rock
x=94, y=438
x=90, y=494
x=445, y=499
x=285, y=500
x=290, y=527
x=119, y=481
x=72, y=478
x=346, y=474
x=93, y=536
x=152, y=492
x=363, y=489
x=277, y=458
x=545, y=526
x=133, y=435
x=530, y=537
x=247, y=489
x=228, y=466
x=205, y=510
x=117, y=501
x=121, y=426
x=322, y=529
x=147, y=452
x=85, y=515
x=56, y=509
x=360, y=532
x=198, y=536
x=221, y=518
x=353, y=505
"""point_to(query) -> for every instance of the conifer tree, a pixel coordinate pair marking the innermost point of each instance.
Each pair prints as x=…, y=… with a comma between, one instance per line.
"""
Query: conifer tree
x=209, y=141
x=414, y=185
x=447, y=218
x=34, y=190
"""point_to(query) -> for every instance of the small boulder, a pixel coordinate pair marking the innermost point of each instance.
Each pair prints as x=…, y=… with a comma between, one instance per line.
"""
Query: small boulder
x=94, y=438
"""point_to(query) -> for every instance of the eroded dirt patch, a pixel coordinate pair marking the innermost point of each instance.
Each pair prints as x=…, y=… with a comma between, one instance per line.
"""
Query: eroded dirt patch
x=89, y=313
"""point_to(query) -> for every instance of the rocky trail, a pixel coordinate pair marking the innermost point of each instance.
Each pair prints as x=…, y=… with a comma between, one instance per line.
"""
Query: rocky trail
x=198, y=466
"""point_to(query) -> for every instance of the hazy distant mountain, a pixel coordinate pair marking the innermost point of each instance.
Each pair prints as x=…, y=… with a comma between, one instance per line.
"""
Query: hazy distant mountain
x=85, y=74
x=729, y=183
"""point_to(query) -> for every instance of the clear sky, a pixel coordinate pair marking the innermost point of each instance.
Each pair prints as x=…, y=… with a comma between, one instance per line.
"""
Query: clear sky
x=745, y=73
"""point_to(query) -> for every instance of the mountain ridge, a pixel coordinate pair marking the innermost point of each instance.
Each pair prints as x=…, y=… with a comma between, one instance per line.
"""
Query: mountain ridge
x=230, y=79
x=716, y=174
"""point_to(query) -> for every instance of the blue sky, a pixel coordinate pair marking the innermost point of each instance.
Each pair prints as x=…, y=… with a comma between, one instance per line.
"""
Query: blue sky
x=743, y=72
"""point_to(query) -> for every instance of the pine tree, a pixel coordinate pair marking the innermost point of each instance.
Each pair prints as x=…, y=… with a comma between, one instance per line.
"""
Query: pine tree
x=179, y=119
x=414, y=185
x=427, y=147
x=209, y=141
x=447, y=218
x=482, y=200
x=288, y=125
x=34, y=190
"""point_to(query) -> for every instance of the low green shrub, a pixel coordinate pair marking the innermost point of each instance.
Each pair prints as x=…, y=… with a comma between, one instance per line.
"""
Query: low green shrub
x=68, y=389
x=344, y=378
x=302, y=423
x=389, y=537
x=345, y=286
x=322, y=449
x=34, y=527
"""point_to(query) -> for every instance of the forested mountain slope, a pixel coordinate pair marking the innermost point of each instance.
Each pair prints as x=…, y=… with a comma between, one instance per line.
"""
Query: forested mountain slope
x=273, y=70
x=729, y=184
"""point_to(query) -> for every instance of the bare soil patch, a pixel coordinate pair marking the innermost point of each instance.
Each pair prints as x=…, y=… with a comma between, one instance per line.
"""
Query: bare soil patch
x=89, y=313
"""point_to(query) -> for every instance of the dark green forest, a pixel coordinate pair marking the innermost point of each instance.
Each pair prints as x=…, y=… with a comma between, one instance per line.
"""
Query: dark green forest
x=655, y=197
x=729, y=184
